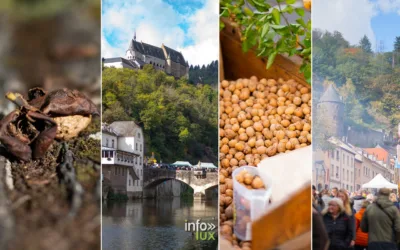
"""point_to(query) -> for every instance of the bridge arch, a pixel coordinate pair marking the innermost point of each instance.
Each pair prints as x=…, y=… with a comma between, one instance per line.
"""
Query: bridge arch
x=154, y=177
x=155, y=183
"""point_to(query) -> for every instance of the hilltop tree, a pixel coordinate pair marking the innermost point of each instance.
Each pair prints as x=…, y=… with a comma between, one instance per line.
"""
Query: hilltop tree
x=365, y=44
x=397, y=44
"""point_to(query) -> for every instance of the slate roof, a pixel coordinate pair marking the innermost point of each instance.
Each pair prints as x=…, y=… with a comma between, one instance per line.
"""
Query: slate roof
x=330, y=95
x=147, y=49
x=106, y=128
x=341, y=144
x=175, y=56
x=126, y=128
x=120, y=59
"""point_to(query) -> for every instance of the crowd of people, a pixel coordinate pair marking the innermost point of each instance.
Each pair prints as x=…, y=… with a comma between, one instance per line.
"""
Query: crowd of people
x=358, y=220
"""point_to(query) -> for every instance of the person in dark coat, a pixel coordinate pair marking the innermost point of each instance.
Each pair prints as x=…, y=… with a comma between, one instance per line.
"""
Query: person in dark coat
x=343, y=195
x=381, y=221
x=338, y=225
x=320, y=238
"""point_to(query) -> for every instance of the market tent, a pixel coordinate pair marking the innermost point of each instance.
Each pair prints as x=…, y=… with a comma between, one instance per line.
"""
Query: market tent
x=182, y=164
x=208, y=165
x=379, y=182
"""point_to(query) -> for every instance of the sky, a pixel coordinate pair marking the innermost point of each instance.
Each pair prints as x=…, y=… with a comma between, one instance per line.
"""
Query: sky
x=378, y=19
x=190, y=27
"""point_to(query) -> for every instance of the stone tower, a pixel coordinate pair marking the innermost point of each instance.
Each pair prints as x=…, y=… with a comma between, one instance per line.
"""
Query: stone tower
x=331, y=110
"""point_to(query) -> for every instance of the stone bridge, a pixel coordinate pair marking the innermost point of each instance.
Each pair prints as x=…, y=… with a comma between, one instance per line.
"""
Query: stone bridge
x=153, y=177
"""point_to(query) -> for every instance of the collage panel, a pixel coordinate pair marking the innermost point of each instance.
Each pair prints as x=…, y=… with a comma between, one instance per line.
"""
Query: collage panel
x=265, y=125
x=159, y=124
x=356, y=121
x=50, y=125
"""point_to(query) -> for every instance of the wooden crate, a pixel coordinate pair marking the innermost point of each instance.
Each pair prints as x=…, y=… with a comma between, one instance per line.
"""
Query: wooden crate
x=288, y=226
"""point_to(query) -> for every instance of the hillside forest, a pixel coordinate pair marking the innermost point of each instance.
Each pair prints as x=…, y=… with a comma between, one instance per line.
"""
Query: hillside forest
x=206, y=74
x=369, y=82
x=179, y=119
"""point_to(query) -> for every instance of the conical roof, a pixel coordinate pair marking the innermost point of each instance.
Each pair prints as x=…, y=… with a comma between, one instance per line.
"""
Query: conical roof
x=331, y=95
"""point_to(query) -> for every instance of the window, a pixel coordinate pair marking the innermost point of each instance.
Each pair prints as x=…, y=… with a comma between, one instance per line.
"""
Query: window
x=106, y=142
x=343, y=175
x=140, y=147
x=337, y=154
x=348, y=160
x=123, y=172
x=347, y=177
x=141, y=172
x=112, y=143
x=337, y=172
x=343, y=158
x=351, y=176
x=333, y=169
x=136, y=147
x=135, y=160
x=115, y=171
x=129, y=182
x=139, y=135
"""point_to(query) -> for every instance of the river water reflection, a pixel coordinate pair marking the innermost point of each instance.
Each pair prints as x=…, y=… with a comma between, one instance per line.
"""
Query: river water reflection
x=156, y=224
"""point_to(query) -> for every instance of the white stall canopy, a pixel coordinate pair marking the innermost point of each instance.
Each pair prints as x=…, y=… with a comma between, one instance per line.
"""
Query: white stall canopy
x=379, y=182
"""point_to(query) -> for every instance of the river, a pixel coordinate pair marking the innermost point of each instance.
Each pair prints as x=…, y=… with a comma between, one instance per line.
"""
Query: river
x=156, y=224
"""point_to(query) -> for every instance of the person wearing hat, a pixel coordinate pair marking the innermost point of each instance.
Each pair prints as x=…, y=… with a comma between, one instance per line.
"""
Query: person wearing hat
x=338, y=225
x=361, y=237
x=381, y=220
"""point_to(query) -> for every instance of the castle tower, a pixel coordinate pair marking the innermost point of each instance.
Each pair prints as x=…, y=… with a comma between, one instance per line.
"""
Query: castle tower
x=331, y=110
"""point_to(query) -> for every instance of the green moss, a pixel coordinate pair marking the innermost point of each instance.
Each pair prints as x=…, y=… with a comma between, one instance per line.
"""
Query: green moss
x=86, y=149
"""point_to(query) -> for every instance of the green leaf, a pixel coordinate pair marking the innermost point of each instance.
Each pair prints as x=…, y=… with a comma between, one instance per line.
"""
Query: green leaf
x=288, y=9
x=260, y=5
x=301, y=22
x=271, y=59
x=265, y=30
x=290, y=1
x=307, y=42
x=277, y=27
x=248, y=11
x=276, y=16
x=262, y=52
x=221, y=25
x=299, y=11
x=225, y=13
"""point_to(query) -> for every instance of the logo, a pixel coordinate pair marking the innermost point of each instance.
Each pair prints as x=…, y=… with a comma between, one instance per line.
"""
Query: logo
x=201, y=230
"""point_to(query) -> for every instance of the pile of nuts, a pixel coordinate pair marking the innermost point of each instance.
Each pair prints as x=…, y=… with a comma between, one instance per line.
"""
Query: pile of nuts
x=250, y=181
x=258, y=119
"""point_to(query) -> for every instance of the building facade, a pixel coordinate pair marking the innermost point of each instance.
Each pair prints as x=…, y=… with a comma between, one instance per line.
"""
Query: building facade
x=358, y=166
x=122, y=157
x=161, y=58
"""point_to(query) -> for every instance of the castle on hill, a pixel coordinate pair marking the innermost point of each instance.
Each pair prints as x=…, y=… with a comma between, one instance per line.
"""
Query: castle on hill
x=162, y=58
